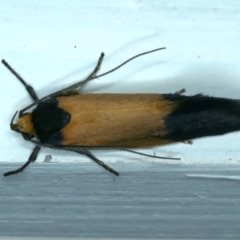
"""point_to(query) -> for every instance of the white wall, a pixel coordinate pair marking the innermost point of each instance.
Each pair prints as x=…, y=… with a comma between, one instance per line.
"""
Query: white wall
x=38, y=39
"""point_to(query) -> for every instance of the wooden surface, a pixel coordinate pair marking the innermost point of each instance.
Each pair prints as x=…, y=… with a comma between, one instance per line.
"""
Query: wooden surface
x=145, y=201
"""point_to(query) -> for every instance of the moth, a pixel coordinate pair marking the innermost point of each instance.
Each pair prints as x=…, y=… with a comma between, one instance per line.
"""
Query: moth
x=72, y=121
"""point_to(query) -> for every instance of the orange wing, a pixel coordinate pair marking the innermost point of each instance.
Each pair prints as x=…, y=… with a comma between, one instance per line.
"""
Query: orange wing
x=115, y=120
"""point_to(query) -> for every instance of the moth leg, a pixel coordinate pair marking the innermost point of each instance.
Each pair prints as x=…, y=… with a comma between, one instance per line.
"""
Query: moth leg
x=97, y=68
x=188, y=142
x=76, y=88
x=32, y=158
x=99, y=162
x=183, y=90
x=29, y=88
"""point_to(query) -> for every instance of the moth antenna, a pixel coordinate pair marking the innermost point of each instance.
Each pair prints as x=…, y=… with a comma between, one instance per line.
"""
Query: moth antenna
x=77, y=148
x=93, y=74
x=89, y=78
x=132, y=151
x=130, y=59
x=29, y=89
x=149, y=155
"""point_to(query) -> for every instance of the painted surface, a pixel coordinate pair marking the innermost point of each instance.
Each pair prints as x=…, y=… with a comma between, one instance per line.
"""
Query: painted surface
x=54, y=43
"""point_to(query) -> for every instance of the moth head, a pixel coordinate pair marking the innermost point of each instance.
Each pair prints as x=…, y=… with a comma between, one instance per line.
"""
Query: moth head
x=24, y=124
